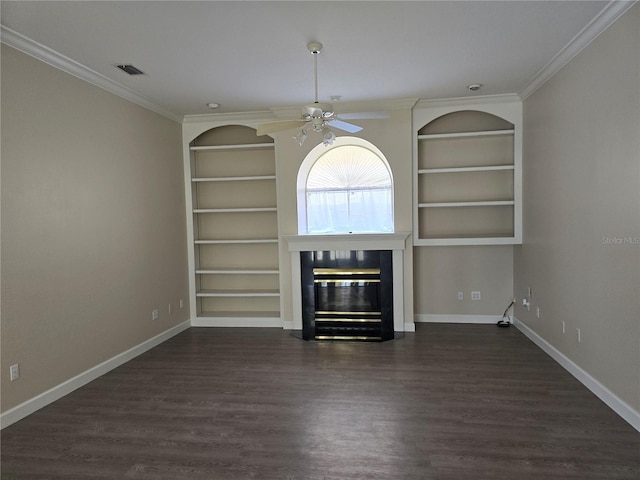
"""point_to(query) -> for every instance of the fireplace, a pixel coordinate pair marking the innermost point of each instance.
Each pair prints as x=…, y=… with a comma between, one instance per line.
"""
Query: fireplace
x=393, y=272
x=347, y=295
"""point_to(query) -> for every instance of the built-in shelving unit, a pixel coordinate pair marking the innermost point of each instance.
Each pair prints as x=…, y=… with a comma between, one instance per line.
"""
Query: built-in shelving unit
x=467, y=174
x=235, y=229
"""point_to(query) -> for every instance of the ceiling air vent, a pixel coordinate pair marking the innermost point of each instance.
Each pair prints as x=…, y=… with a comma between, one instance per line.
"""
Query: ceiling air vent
x=130, y=69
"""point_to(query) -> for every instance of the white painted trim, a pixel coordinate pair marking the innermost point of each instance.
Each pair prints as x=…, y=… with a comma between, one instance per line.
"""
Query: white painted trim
x=194, y=125
x=409, y=327
x=356, y=241
x=445, y=318
x=397, y=258
x=19, y=412
x=287, y=324
x=231, y=118
x=240, y=322
x=456, y=103
x=66, y=64
x=623, y=409
x=353, y=107
x=296, y=292
x=607, y=16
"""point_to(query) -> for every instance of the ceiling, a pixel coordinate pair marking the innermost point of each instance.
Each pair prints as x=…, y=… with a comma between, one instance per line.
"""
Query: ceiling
x=252, y=56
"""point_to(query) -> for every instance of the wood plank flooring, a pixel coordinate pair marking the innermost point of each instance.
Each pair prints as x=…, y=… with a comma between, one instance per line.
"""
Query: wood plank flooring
x=447, y=402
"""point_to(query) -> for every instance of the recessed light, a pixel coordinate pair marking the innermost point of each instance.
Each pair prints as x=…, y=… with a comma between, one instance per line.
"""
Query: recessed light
x=335, y=98
x=213, y=105
x=474, y=87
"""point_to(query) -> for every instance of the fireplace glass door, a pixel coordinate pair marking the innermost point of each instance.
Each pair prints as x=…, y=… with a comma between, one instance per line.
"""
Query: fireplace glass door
x=343, y=291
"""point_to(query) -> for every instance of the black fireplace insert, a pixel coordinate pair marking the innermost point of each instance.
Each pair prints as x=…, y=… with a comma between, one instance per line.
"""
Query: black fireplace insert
x=347, y=295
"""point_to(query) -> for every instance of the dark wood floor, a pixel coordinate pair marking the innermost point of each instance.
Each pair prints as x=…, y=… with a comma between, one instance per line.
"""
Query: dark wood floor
x=448, y=402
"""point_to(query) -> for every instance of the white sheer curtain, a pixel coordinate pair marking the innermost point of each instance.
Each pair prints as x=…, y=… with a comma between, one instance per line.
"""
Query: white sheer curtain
x=349, y=190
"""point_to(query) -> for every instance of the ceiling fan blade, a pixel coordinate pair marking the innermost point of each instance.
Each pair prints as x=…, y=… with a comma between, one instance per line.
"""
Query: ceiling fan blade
x=278, y=126
x=347, y=127
x=364, y=115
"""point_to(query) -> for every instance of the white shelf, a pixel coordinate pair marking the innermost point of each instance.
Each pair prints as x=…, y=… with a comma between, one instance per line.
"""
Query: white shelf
x=236, y=241
x=234, y=179
x=232, y=318
x=235, y=210
x=486, y=133
x=245, y=146
x=237, y=271
x=496, y=203
x=489, y=168
x=467, y=173
x=237, y=315
x=238, y=293
x=233, y=201
x=465, y=240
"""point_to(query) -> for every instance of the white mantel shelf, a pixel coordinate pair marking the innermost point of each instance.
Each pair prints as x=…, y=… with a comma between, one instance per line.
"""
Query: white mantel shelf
x=355, y=241
x=396, y=242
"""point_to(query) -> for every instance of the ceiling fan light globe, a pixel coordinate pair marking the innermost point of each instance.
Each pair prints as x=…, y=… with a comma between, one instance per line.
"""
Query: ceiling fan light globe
x=328, y=136
x=301, y=136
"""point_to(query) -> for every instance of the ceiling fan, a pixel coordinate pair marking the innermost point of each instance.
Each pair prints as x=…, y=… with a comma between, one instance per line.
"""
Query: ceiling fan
x=317, y=116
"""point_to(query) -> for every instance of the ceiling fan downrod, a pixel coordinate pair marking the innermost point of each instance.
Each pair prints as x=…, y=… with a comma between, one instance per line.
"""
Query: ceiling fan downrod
x=314, y=48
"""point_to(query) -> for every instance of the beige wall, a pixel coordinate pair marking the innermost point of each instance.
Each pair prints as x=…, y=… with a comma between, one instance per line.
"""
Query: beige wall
x=441, y=272
x=93, y=227
x=581, y=195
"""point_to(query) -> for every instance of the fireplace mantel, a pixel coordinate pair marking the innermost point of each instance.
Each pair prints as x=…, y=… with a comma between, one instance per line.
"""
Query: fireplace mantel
x=396, y=242
x=355, y=241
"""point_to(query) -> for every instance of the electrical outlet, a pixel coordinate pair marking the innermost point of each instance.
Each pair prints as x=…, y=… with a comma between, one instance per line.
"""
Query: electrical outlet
x=564, y=330
x=181, y=303
x=578, y=335
x=529, y=292
x=537, y=312
x=170, y=309
x=476, y=296
x=460, y=296
x=526, y=304
x=155, y=314
x=14, y=372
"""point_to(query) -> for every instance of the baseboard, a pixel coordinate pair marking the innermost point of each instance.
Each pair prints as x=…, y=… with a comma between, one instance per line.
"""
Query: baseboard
x=270, y=322
x=437, y=318
x=287, y=324
x=19, y=412
x=603, y=393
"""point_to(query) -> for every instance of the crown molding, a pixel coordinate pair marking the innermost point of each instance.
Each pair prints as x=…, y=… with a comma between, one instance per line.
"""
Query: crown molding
x=607, y=16
x=61, y=62
x=352, y=107
x=229, y=118
x=468, y=101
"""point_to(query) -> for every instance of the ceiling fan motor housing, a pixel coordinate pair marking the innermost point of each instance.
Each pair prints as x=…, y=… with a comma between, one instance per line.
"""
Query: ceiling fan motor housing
x=317, y=114
x=317, y=110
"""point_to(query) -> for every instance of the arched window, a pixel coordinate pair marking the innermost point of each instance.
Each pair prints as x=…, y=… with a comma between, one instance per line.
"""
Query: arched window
x=345, y=188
